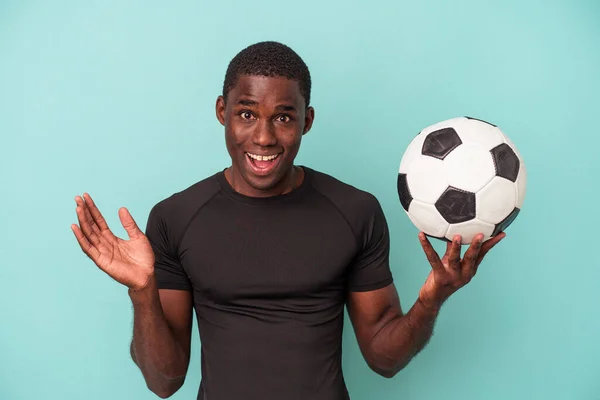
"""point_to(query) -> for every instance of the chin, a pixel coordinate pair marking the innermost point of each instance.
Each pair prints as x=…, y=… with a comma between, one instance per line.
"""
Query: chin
x=268, y=182
x=263, y=183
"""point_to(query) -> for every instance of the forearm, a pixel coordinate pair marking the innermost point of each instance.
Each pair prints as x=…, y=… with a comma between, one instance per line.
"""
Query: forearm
x=154, y=348
x=394, y=345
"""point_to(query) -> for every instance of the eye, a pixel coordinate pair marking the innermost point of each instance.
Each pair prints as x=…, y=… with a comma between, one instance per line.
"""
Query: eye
x=283, y=118
x=247, y=115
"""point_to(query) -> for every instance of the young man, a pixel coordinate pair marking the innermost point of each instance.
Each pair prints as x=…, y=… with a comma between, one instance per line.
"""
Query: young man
x=267, y=254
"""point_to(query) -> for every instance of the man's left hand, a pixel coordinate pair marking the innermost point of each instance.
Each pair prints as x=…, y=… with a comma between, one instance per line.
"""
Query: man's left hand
x=451, y=272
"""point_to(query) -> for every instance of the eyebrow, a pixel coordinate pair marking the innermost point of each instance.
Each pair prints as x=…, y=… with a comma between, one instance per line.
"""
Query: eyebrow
x=252, y=103
x=285, y=107
x=247, y=103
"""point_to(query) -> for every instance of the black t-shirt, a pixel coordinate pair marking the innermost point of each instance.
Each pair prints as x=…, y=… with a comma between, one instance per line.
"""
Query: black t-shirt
x=269, y=278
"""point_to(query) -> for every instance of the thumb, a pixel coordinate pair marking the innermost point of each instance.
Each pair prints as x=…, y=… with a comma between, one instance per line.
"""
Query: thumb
x=128, y=223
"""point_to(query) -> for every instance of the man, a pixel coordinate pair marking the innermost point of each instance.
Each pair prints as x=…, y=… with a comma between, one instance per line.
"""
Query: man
x=267, y=254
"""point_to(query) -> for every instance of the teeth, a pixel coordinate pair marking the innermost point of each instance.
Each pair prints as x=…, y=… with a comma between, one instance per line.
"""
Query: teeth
x=262, y=158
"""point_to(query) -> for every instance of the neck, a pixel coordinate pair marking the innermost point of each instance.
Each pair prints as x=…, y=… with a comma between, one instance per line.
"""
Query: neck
x=289, y=182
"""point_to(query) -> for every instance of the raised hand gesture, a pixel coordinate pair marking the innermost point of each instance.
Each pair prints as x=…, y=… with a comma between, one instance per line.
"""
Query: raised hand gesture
x=130, y=262
x=450, y=273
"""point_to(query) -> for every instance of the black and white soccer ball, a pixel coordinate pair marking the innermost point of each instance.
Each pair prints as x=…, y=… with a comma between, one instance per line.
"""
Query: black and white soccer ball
x=462, y=176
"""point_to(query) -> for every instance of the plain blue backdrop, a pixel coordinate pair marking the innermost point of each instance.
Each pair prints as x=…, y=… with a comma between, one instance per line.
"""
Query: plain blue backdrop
x=117, y=98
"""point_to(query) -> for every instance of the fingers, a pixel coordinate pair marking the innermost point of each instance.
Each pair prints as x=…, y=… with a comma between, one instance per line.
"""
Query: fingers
x=88, y=216
x=488, y=245
x=453, y=252
x=129, y=223
x=86, y=223
x=432, y=256
x=90, y=250
x=96, y=215
x=448, y=246
x=469, y=266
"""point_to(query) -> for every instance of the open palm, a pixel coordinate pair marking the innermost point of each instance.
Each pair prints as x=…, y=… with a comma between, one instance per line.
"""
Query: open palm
x=130, y=262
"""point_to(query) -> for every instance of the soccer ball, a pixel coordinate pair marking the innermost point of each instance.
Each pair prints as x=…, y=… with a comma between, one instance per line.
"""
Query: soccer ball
x=461, y=176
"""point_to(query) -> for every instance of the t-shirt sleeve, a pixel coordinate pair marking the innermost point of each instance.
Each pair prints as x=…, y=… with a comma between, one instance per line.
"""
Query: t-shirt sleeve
x=370, y=268
x=168, y=270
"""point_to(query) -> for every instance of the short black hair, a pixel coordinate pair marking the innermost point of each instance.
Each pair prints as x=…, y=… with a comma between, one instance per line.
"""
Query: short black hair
x=268, y=59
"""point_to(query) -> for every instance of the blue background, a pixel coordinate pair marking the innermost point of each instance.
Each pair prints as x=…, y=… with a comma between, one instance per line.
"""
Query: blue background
x=117, y=98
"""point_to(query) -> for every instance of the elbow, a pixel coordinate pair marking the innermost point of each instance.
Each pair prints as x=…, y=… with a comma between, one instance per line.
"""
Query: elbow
x=167, y=388
x=162, y=384
x=386, y=372
x=163, y=394
x=386, y=366
x=386, y=361
x=390, y=373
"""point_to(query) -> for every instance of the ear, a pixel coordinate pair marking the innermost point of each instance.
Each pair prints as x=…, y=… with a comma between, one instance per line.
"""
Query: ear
x=308, y=119
x=220, y=109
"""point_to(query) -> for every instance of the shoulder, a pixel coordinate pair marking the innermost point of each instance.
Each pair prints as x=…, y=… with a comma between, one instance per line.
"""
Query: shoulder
x=179, y=207
x=341, y=193
x=358, y=206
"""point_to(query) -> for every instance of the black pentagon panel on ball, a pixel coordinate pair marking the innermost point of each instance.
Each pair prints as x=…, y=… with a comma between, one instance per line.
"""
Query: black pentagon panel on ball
x=480, y=120
x=440, y=143
x=456, y=205
x=506, y=162
x=403, y=192
x=501, y=227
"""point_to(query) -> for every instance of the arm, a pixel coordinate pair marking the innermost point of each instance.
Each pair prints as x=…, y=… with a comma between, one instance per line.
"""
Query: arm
x=387, y=337
x=162, y=319
x=161, y=337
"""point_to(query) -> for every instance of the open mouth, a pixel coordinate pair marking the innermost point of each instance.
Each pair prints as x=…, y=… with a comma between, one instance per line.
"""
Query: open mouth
x=263, y=164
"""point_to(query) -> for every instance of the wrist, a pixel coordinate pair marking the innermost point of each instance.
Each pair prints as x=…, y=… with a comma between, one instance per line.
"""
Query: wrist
x=430, y=305
x=145, y=292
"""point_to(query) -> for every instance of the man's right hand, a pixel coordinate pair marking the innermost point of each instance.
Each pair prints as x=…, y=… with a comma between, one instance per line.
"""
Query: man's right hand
x=130, y=262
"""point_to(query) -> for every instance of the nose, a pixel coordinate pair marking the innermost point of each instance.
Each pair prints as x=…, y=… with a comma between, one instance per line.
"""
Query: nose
x=264, y=134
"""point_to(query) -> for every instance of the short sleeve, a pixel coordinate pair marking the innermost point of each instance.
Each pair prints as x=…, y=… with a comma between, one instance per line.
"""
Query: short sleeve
x=370, y=268
x=168, y=270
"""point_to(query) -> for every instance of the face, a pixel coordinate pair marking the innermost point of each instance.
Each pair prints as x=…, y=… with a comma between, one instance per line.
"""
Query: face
x=264, y=119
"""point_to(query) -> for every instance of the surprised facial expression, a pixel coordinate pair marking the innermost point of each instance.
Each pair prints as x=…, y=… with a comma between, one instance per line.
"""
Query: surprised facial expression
x=265, y=119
